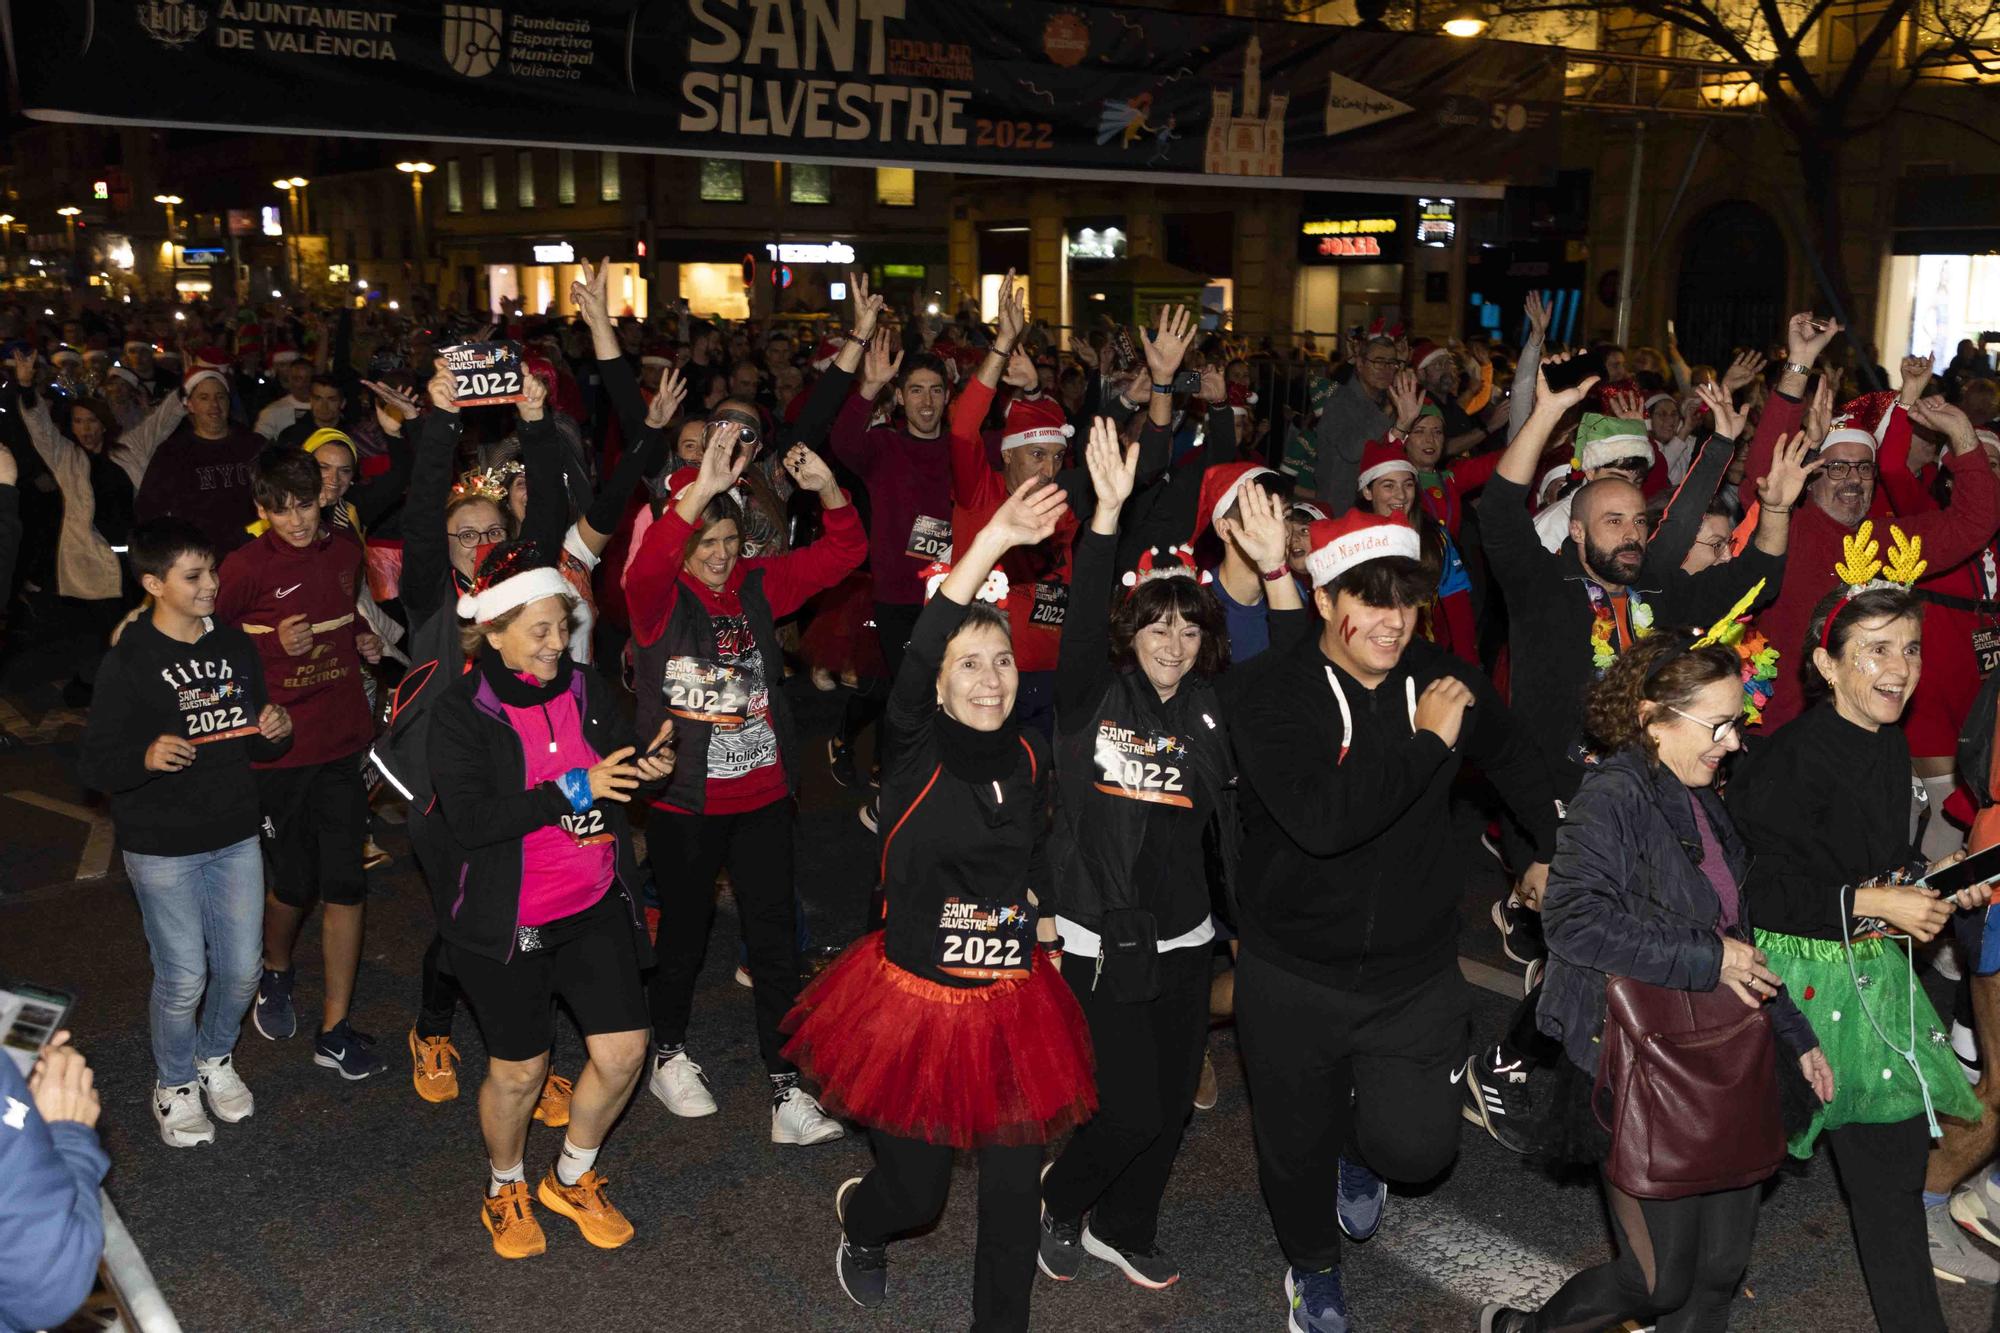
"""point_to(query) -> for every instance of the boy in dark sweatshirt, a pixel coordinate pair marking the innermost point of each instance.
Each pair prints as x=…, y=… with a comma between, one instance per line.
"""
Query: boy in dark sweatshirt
x=292, y=590
x=171, y=740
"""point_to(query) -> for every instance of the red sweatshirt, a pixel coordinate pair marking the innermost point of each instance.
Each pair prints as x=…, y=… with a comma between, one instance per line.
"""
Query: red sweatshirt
x=1038, y=579
x=1949, y=535
x=909, y=486
x=746, y=769
x=270, y=581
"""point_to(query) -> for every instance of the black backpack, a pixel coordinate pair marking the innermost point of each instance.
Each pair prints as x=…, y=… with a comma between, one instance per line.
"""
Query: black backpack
x=402, y=751
x=1975, y=743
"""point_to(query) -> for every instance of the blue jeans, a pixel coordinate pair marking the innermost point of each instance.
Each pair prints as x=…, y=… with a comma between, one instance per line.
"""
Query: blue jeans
x=204, y=918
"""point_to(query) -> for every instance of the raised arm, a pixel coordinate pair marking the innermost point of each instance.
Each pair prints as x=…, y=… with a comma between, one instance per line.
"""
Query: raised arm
x=1527, y=371
x=426, y=556
x=790, y=579
x=1083, y=664
x=547, y=516
x=591, y=294
x=1957, y=531
x=645, y=454
x=1506, y=532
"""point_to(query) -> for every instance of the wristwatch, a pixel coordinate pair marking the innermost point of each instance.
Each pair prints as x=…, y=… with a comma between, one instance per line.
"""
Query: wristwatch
x=1797, y=369
x=855, y=338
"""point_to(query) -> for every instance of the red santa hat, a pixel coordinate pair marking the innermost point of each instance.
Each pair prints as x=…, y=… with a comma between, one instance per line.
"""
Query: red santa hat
x=1240, y=399
x=824, y=354
x=656, y=356
x=283, y=356
x=1423, y=351
x=1220, y=486
x=1035, y=421
x=1863, y=421
x=208, y=365
x=1379, y=458
x=1358, y=536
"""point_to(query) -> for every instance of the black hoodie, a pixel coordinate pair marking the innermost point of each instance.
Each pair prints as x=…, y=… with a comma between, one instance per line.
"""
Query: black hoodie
x=150, y=686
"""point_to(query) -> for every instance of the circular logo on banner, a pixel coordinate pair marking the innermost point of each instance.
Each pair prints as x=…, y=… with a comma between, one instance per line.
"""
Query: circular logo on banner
x=1066, y=39
x=172, y=23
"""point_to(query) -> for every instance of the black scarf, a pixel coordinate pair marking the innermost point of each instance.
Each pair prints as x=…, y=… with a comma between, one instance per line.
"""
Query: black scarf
x=976, y=756
x=516, y=692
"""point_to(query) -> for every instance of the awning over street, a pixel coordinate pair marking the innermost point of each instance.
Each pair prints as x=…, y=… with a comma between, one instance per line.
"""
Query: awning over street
x=1026, y=88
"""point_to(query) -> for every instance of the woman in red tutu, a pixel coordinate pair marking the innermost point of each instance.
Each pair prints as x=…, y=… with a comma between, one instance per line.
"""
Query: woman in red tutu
x=950, y=1028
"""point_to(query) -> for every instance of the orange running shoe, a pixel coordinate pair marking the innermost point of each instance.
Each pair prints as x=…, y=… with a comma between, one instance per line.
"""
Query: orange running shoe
x=433, y=1059
x=584, y=1204
x=553, y=1109
x=511, y=1218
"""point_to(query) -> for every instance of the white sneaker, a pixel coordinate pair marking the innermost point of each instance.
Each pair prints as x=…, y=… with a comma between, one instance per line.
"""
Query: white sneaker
x=797, y=1118
x=182, y=1124
x=743, y=978
x=228, y=1100
x=678, y=1083
x=1975, y=1205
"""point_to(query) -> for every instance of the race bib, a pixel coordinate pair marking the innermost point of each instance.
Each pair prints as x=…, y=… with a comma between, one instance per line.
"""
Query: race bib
x=984, y=941
x=587, y=829
x=1140, y=767
x=1051, y=605
x=219, y=724
x=1986, y=648
x=708, y=692
x=483, y=374
x=930, y=539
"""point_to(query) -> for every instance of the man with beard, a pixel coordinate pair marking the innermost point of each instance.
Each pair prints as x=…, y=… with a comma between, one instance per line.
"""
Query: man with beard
x=1606, y=447
x=1438, y=371
x=1571, y=612
x=1843, y=492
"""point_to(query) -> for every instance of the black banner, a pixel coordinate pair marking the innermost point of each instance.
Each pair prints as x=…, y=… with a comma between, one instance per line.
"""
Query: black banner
x=1017, y=88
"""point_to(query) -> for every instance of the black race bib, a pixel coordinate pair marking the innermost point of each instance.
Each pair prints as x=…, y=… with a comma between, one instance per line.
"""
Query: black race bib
x=587, y=829
x=984, y=941
x=930, y=539
x=1986, y=649
x=704, y=691
x=1141, y=767
x=1051, y=605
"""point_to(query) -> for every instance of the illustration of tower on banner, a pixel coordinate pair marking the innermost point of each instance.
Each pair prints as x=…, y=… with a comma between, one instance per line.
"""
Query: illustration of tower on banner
x=1248, y=144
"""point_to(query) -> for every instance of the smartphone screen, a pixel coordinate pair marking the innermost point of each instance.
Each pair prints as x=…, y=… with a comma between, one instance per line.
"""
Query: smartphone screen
x=1568, y=374
x=29, y=1016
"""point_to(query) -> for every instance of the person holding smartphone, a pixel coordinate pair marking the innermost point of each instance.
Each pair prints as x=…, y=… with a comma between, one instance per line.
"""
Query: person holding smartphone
x=51, y=1164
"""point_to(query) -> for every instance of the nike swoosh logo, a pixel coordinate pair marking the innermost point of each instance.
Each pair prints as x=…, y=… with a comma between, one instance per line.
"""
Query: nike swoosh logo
x=340, y=1054
x=286, y=592
x=1458, y=1074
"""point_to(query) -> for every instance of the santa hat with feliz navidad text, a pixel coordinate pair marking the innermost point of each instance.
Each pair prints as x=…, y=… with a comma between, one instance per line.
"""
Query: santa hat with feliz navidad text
x=1219, y=488
x=1862, y=421
x=1379, y=458
x=1037, y=420
x=1356, y=537
x=1601, y=440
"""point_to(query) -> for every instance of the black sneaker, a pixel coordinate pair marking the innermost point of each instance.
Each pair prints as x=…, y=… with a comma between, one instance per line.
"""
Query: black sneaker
x=1059, y=1257
x=1497, y=1318
x=870, y=815
x=273, y=1015
x=1520, y=930
x=840, y=762
x=1146, y=1268
x=1497, y=1098
x=863, y=1270
x=349, y=1053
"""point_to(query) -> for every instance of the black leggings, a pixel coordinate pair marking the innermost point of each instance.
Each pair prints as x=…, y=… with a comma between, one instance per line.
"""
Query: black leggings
x=1882, y=1170
x=1148, y=1062
x=906, y=1190
x=1678, y=1264
x=687, y=852
x=440, y=994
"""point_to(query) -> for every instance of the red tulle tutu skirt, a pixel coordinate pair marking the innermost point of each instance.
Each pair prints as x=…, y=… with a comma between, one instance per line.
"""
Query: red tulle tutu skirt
x=1007, y=1063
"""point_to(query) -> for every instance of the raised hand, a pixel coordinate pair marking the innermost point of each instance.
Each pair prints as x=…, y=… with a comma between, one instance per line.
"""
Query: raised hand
x=809, y=470
x=23, y=365
x=1949, y=421
x=443, y=389
x=1779, y=489
x=1260, y=531
x=1173, y=330
x=534, y=397
x=1538, y=313
x=1916, y=372
x=1625, y=404
x=1728, y=420
x=1819, y=412
x=722, y=459
x=1029, y=516
x=392, y=406
x=880, y=363
x=666, y=404
x=1214, y=387
x=867, y=306
x=1550, y=404
x=1012, y=320
x=1085, y=354
x=1406, y=395
x=1021, y=373
x=1743, y=370
x=1806, y=336
x=591, y=292
x=1112, y=473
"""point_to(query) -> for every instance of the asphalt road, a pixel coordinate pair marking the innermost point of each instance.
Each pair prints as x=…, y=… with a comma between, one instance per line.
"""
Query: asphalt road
x=355, y=1206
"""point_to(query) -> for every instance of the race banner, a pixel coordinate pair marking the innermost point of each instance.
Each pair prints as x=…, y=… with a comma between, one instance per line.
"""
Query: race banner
x=1017, y=88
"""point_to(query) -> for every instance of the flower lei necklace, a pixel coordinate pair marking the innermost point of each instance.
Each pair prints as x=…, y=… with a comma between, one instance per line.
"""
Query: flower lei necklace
x=1604, y=625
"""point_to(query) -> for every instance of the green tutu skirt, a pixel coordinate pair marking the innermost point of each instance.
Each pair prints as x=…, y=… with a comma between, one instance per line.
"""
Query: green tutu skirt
x=1872, y=1083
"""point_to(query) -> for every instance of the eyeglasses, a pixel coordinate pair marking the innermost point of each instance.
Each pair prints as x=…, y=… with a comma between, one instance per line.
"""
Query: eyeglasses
x=1839, y=471
x=1718, y=732
x=1385, y=362
x=472, y=538
x=1716, y=545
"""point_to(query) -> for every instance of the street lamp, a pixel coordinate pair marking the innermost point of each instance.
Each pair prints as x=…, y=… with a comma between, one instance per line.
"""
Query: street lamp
x=291, y=185
x=69, y=214
x=1465, y=20
x=170, y=200
x=416, y=171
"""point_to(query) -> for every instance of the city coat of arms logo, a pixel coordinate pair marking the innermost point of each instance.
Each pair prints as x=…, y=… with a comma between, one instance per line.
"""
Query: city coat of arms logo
x=472, y=39
x=172, y=23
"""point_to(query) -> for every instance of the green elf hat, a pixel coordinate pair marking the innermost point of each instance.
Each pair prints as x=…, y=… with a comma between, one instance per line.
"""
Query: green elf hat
x=1601, y=440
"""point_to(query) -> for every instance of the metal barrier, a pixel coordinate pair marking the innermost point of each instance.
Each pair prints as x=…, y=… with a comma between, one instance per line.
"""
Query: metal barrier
x=126, y=1299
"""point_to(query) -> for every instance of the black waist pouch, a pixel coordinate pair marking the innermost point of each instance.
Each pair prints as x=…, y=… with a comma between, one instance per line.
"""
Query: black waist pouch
x=1128, y=956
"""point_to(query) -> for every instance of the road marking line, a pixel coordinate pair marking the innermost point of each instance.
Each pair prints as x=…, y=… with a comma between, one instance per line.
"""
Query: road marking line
x=1487, y=977
x=96, y=857
x=52, y=723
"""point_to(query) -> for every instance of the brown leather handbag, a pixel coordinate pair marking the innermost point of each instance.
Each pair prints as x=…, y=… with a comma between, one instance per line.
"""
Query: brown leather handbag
x=1693, y=1084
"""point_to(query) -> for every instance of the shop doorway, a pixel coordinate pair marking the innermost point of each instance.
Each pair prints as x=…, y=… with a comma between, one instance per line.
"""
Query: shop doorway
x=1732, y=283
